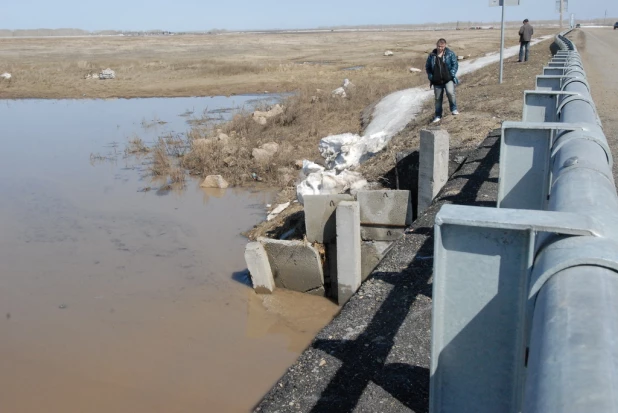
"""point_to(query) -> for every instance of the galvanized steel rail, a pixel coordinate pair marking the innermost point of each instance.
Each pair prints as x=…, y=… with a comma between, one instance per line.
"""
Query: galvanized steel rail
x=526, y=296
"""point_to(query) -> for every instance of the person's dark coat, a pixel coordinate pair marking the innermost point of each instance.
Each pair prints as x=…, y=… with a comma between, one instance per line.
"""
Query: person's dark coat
x=450, y=58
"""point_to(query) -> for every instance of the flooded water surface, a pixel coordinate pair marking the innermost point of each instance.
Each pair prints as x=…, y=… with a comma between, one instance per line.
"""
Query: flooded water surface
x=113, y=299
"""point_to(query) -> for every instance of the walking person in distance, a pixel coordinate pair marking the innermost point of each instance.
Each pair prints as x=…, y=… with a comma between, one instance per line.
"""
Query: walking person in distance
x=525, y=35
x=441, y=68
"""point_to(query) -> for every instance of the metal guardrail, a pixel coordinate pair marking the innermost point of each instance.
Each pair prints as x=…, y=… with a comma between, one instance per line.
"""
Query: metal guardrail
x=525, y=301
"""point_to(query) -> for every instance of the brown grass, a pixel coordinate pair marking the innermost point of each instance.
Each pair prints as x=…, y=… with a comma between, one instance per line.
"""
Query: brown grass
x=136, y=146
x=220, y=65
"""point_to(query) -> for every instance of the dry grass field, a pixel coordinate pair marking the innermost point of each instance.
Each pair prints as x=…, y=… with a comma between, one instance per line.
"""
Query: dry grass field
x=224, y=64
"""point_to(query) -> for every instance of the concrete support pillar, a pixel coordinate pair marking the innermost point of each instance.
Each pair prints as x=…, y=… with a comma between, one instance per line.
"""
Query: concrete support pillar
x=259, y=267
x=433, y=166
x=348, y=250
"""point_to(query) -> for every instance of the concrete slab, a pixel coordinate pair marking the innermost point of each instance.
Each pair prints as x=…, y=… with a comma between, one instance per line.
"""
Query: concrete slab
x=259, y=268
x=296, y=265
x=320, y=216
x=348, y=250
x=384, y=214
x=372, y=253
x=433, y=166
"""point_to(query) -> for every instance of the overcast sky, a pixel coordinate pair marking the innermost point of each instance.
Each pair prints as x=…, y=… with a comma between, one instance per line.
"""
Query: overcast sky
x=179, y=15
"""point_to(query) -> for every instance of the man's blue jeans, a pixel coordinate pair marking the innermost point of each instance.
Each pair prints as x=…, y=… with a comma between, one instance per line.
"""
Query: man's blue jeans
x=524, y=46
x=438, y=91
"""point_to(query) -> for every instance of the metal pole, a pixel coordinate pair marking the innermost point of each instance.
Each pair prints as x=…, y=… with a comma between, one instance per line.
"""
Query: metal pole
x=561, y=8
x=502, y=42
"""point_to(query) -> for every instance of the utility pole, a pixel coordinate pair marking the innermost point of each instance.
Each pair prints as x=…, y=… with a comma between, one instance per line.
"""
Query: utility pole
x=605, y=19
x=561, y=9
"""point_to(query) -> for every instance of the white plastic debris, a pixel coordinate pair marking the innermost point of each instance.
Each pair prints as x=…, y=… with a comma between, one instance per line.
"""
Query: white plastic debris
x=340, y=91
x=278, y=209
x=311, y=167
x=415, y=70
x=6, y=76
x=107, y=74
x=388, y=53
x=329, y=182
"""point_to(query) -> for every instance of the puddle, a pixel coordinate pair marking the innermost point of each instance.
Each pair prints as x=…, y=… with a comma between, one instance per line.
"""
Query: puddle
x=116, y=299
x=351, y=68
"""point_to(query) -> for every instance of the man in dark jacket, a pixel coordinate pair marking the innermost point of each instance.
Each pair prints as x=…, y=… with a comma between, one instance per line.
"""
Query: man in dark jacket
x=525, y=35
x=441, y=68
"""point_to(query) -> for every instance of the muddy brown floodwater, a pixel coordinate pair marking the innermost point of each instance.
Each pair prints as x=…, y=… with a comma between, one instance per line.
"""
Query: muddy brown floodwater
x=116, y=300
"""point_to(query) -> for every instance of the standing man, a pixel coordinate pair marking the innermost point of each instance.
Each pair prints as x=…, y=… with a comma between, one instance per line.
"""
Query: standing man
x=441, y=68
x=525, y=35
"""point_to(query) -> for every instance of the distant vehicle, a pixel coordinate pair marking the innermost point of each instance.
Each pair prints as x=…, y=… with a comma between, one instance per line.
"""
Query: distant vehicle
x=577, y=26
x=615, y=25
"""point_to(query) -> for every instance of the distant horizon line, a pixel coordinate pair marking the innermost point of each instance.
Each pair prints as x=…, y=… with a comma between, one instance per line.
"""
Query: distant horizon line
x=465, y=23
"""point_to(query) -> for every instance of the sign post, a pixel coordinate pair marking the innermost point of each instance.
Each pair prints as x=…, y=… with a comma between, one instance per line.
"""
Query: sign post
x=502, y=3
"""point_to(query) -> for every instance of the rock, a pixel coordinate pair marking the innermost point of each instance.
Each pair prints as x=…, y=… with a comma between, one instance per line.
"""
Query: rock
x=107, y=74
x=388, y=53
x=271, y=147
x=314, y=99
x=214, y=181
x=460, y=58
x=261, y=155
x=415, y=70
x=299, y=163
x=262, y=116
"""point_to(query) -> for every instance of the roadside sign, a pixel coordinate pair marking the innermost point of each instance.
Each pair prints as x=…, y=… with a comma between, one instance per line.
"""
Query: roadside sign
x=565, y=6
x=493, y=3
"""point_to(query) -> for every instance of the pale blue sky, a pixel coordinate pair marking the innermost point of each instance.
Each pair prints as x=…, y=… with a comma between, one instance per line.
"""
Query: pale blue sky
x=178, y=15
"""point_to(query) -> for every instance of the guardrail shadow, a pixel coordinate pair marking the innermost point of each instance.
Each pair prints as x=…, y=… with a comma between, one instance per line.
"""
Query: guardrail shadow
x=364, y=358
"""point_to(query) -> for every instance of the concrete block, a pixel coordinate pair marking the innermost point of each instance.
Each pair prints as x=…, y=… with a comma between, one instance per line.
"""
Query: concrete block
x=259, y=267
x=380, y=233
x=372, y=252
x=320, y=216
x=384, y=214
x=296, y=265
x=348, y=250
x=433, y=166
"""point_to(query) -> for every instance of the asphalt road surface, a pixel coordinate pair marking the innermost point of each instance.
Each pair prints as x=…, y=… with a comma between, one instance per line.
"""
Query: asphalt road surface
x=599, y=52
